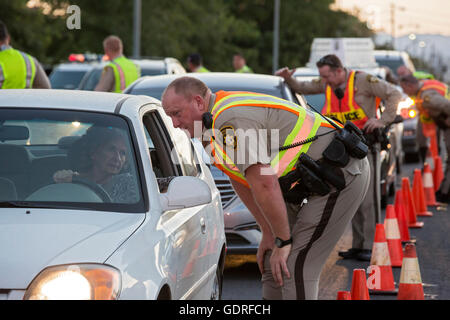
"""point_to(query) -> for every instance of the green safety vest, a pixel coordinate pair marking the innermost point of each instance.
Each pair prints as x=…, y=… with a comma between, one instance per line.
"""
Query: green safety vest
x=307, y=125
x=245, y=69
x=421, y=75
x=17, y=69
x=125, y=72
x=202, y=69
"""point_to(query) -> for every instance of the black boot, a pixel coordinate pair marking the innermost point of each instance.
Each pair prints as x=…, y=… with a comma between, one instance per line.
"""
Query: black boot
x=350, y=254
x=364, y=255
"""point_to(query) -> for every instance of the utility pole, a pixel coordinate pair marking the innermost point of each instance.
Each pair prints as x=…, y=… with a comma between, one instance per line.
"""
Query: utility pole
x=276, y=35
x=393, y=25
x=137, y=14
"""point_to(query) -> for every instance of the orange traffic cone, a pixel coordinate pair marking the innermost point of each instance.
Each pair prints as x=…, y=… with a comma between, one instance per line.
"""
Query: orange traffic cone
x=409, y=205
x=344, y=295
x=393, y=237
x=428, y=186
x=359, y=289
x=419, y=195
x=410, y=287
x=438, y=173
x=429, y=159
x=381, y=278
x=401, y=216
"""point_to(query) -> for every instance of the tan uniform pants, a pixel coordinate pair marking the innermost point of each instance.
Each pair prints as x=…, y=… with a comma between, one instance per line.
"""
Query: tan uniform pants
x=363, y=223
x=316, y=228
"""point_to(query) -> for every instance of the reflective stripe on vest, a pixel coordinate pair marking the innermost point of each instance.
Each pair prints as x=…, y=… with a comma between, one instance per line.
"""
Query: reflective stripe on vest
x=349, y=110
x=306, y=127
x=438, y=86
x=2, y=77
x=125, y=72
x=17, y=69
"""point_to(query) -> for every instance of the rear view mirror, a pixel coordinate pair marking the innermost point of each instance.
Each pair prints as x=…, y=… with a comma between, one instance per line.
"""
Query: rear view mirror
x=14, y=133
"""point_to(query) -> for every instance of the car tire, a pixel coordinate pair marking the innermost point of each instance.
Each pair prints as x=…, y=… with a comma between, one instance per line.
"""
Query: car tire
x=216, y=292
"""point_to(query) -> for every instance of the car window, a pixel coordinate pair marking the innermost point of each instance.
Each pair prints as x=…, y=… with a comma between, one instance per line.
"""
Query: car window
x=73, y=159
x=392, y=63
x=68, y=79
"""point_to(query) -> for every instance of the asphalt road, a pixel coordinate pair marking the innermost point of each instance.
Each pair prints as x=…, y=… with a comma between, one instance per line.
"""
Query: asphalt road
x=242, y=277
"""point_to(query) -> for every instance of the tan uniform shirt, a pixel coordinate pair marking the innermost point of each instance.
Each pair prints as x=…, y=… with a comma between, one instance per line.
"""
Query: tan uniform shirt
x=367, y=87
x=107, y=81
x=41, y=80
x=254, y=135
x=435, y=103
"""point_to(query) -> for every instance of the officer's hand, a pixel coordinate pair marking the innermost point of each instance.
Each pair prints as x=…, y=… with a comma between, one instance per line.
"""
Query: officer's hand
x=372, y=124
x=64, y=176
x=285, y=73
x=266, y=243
x=278, y=263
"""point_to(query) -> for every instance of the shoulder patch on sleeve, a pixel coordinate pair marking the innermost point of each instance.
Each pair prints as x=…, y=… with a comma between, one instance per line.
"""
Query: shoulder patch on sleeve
x=229, y=136
x=426, y=98
x=372, y=79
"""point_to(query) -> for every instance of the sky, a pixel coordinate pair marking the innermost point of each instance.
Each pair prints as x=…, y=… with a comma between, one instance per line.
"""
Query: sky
x=410, y=16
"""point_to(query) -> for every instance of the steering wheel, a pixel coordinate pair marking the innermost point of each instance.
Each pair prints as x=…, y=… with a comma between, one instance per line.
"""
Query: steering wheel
x=98, y=189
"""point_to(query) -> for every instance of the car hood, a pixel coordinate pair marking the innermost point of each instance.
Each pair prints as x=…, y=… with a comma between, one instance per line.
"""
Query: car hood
x=30, y=242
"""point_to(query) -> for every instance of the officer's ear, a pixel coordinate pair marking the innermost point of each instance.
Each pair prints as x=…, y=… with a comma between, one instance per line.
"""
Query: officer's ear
x=200, y=102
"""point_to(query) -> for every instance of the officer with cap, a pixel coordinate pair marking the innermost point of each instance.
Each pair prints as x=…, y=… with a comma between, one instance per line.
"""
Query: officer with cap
x=431, y=98
x=120, y=72
x=355, y=96
x=278, y=154
x=19, y=70
x=195, y=63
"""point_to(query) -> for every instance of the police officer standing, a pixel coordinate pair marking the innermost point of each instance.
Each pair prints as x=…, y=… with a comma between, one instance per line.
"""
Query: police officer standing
x=120, y=72
x=195, y=63
x=431, y=98
x=354, y=96
x=19, y=70
x=240, y=64
x=288, y=160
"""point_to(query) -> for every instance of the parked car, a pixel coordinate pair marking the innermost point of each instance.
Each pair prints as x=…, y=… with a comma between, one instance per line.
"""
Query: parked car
x=241, y=230
x=149, y=67
x=394, y=59
x=150, y=228
x=391, y=159
x=68, y=75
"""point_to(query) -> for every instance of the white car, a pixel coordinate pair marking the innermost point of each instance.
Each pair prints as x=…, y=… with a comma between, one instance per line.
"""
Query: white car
x=101, y=198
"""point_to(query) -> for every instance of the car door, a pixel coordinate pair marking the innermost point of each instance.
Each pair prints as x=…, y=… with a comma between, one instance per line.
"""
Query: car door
x=186, y=227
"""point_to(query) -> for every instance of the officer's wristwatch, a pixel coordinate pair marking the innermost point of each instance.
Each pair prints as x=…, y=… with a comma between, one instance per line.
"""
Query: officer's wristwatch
x=280, y=243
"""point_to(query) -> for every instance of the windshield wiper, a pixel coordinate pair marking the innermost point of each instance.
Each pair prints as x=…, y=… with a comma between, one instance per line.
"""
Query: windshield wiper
x=27, y=204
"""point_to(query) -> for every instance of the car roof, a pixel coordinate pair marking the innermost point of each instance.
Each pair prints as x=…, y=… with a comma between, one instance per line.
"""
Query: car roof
x=72, y=66
x=68, y=99
x=389, y=54
x=212, y=79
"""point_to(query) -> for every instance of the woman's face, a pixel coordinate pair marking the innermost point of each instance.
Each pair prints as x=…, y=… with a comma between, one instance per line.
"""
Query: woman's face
x=110, y=157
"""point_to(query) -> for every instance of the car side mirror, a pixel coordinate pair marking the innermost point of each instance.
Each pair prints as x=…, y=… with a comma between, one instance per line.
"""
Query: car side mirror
x=186, y=192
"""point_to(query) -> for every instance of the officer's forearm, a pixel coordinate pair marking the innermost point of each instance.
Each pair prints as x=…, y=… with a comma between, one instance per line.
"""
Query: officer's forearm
x=41, y=80
x=267, y=194
x=305, y=87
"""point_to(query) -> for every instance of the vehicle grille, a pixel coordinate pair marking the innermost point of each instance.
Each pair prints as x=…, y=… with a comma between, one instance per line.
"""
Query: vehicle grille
x=235, y=239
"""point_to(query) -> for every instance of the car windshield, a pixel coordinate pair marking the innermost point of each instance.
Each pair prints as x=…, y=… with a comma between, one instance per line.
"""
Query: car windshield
x=93, y=77
x=316, y=100
x=65, y=79
x=393, y=64
x=67, y=159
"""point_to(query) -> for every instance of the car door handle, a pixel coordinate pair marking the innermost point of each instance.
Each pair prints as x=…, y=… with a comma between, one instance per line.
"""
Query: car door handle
x=203, y=225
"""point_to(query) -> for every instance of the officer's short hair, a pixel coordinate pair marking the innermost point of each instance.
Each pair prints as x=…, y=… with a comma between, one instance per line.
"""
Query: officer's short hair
x=3, y=31
x=188, y=87
x=195, y=59
x=113, y=43
x=330, y=60
x=409, y=79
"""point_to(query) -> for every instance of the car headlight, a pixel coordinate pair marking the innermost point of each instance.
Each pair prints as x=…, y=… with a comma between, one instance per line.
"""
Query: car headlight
x=75, y=282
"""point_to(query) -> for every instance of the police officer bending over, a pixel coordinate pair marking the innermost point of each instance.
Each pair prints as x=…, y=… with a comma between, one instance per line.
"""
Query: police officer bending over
x=19, y=70
x=355, y=96
x=297, y=155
